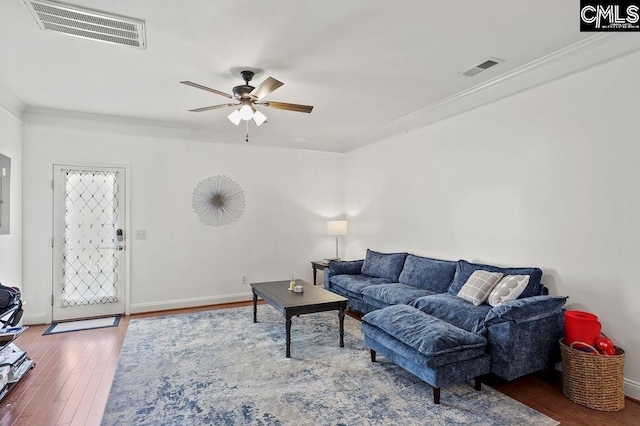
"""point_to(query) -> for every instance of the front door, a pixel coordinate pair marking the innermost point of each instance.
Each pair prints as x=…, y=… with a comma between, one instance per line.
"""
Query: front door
x=88, y=241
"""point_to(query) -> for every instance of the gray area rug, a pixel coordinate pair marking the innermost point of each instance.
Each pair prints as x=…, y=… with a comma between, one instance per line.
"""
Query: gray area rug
x=219, y=368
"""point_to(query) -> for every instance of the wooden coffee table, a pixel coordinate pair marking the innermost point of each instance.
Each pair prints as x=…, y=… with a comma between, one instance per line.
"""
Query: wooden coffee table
x=313, y=299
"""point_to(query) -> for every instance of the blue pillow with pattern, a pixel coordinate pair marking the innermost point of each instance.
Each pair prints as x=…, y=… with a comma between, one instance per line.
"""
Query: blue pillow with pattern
x=384, y=265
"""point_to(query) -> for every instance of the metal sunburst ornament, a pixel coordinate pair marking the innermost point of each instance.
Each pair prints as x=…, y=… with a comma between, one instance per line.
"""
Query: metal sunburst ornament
x=218, y=200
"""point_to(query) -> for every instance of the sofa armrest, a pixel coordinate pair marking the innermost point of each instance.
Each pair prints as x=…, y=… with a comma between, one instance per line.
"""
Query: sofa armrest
x=351, y=267
x=517, y=349
x=525, y=310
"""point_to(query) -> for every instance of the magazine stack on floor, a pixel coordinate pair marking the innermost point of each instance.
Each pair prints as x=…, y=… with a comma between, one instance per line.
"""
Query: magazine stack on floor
x=14, y=363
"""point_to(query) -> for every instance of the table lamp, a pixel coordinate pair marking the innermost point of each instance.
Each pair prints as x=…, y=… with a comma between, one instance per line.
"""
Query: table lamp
x=337, y=228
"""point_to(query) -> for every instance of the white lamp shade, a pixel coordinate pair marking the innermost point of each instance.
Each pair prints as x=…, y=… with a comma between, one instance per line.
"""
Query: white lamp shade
x=259, y=118
x=246, y=112
x=235, y=117
x=337, y=227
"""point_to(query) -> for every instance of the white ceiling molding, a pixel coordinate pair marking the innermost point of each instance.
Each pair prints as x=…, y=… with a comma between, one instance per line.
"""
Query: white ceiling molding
x=168, y=130
x=10, y=103
x=593, y=51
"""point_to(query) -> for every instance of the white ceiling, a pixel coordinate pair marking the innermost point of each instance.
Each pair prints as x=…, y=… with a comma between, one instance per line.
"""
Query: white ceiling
x=363, y=64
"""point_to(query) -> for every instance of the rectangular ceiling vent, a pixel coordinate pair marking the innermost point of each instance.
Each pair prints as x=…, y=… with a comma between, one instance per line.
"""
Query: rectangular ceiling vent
x=85, y=23
x=490, y=62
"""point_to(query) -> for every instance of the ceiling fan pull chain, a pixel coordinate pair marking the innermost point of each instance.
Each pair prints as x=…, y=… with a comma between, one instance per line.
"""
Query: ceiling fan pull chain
x=247, y=139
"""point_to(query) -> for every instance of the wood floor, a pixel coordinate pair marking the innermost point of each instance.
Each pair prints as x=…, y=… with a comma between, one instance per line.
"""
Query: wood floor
x=74, y=371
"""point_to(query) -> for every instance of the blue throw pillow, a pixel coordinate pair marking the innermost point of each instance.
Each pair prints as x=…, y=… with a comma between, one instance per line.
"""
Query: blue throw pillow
x=465, y=269
x=383, y=265
x=429, y=274
x=352, y=267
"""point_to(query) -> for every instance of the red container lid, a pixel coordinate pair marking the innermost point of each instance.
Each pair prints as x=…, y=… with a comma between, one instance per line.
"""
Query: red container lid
x=584, y=316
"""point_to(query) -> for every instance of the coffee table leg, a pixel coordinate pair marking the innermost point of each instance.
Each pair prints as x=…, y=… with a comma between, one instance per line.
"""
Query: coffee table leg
x=341, y=316
x=288, y=328
x=255, y=307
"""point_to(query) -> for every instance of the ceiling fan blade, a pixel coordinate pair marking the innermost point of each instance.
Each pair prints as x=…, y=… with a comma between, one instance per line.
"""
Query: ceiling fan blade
x=208, y=89
x=288, y=107
x=209, y=108
x=264, y=88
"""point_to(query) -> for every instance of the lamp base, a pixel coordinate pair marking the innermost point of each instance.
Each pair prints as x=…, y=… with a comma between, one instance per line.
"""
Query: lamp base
x=327, y=260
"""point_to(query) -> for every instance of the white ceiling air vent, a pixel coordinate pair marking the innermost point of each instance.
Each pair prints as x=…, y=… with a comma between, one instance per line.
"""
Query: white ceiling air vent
x=490, y=62
x=85, y=23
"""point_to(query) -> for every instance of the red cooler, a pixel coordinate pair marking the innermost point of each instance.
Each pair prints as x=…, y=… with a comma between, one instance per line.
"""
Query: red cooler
x=581, y=327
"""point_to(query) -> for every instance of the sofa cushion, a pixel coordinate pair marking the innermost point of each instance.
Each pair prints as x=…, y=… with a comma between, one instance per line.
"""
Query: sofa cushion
x=429, y=274
x=509, y=288
x=478, y=286
x=392, y=294
x=454, y=310
x=383, y=265
x=352, y=285
x=465, y=269
x=442, y=342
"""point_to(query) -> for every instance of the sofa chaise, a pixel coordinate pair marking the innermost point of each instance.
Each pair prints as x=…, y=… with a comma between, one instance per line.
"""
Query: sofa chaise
x=415, y=317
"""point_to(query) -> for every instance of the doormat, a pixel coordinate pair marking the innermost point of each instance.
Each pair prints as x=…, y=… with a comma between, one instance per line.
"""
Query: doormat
x=69, y=326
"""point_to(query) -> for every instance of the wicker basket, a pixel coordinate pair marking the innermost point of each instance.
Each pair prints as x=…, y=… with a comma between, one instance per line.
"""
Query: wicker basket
x=591, y=379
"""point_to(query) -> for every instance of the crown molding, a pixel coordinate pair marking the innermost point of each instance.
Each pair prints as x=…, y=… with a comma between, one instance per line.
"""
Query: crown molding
x=593, y=51
x=10, y=103
x=134, y=126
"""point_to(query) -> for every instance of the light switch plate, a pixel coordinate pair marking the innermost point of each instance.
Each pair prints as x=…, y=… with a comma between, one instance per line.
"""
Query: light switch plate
x=141, y=235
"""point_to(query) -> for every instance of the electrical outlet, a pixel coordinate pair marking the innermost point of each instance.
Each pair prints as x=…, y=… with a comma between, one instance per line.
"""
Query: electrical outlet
x=141, y=235
x=244, y=280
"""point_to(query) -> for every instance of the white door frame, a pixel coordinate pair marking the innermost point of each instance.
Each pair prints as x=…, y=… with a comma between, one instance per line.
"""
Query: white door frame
x=128, y=237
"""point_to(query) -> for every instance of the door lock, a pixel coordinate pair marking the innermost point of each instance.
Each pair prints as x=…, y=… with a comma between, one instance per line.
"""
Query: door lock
x=119, y=238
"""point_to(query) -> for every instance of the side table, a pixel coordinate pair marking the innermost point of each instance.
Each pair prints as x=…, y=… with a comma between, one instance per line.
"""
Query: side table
x=318, y=264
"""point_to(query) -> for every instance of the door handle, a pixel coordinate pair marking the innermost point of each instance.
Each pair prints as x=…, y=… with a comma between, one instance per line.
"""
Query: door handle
x=120, y=248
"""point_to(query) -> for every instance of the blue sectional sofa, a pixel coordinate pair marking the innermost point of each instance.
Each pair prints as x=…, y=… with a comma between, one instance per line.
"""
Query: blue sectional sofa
x=521, y=335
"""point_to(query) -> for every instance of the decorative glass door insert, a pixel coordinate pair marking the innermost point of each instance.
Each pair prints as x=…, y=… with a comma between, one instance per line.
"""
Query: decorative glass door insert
x=88, y=218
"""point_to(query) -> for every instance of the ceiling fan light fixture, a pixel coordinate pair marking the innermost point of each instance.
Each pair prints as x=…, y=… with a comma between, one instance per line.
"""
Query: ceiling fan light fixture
x=259, y=118
x=247, y=97
x=235, y=117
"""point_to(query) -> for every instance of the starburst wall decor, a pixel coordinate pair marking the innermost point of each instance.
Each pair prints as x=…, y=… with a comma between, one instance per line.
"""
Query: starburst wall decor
x=218, y=200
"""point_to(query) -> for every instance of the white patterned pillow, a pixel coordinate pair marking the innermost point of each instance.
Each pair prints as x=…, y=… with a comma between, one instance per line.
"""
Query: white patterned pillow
x=509, y=288
x=478, y=286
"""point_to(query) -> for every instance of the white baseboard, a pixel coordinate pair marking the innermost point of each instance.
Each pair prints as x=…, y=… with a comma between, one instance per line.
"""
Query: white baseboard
x=138, y=308
x=632, y=389
x=33, y=319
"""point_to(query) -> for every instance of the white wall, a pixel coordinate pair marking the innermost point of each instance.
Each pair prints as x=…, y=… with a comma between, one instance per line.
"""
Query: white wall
x=183, y=262
x=547, y=178
x=11, y=244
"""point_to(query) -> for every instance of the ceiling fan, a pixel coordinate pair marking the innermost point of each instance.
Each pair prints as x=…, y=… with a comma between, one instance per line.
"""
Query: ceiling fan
x=248, y=98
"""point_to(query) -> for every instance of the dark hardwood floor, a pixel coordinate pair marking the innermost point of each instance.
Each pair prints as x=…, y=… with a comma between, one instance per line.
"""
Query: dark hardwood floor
x=74, y=371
